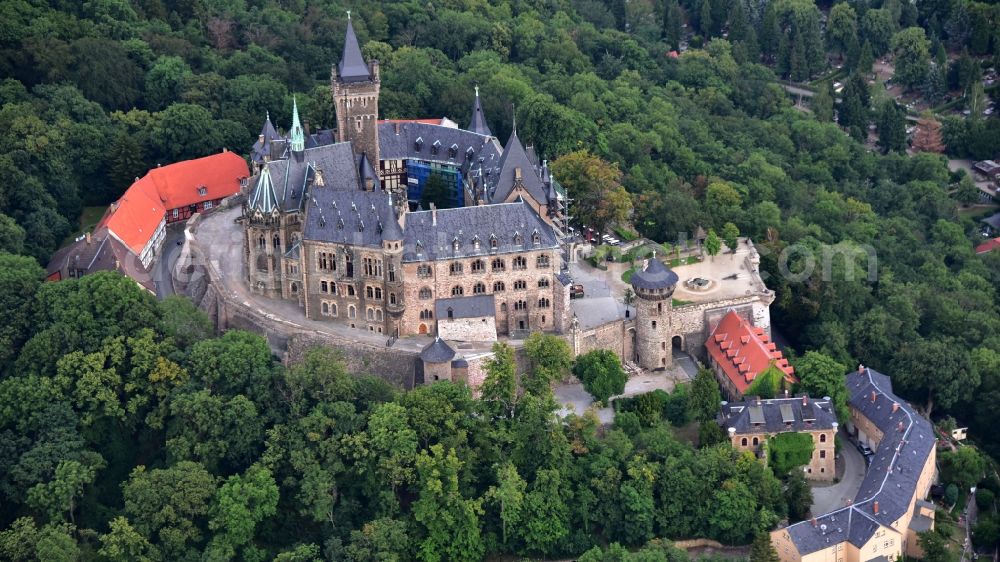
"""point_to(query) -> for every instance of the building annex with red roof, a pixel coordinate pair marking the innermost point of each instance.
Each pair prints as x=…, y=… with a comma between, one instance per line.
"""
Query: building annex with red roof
x=988, y=246
x=137, y=220
x=738, y=352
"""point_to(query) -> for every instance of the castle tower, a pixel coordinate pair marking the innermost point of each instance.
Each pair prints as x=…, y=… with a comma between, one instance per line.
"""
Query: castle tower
x=392, y=250
x=654, y=289
x=298, y=140
x=355, y=87
x=263, y=237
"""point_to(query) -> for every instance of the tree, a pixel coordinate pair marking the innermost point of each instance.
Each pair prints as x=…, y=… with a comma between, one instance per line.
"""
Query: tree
x=977, y=101
x=935, y=85
x=437, y=192
x=673, y=19
x=820, y=375
x=601, y=373
x=712, y=243
x=799, y=496
x=877, y=27
x=23, y=541
x=912, y=50
x=551, y=360
x=393, y=446
x=935, y=547
x=499, y=388
x=730, y=234
x=11, y=235
x=58, y=497
x=546, y=516
x=842, y=29
x=165, y=81
x=704, y=399
x=448, y=524
x=964, y=467
x=598, y=198
x=20, y=276
x=762, y=550
x=891, y=126
x=385, y=540
x=927, y=137
x=241, y=503
x=866, y=59
x=822, y=102
x=122, y=543
x=918, y=368
x=509, y=495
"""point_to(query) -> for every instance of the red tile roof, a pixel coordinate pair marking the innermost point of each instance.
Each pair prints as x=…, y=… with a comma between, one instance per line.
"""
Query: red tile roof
x=177, y=185
x=743, y=351
x=134, y=218
x=988, y=246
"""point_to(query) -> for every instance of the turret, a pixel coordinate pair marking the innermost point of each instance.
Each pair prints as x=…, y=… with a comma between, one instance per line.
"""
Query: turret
x=654, y=288
x=298, y=141
x=355, y=87
x=478, y=122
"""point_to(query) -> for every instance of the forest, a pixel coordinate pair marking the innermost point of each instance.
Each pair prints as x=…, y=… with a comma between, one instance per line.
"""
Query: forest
x=130, y=431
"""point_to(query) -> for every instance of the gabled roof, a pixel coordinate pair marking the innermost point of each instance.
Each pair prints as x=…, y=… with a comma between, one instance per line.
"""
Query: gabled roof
x=515, y=158
x=352, y=67
x=397, y=141
x=476, y=306
x=261, y=149
x=744, y=351
x=177, y=185
x=478, y=122
x=988, y=246
x=134, y=218
x=263, y=198
x=777, y=415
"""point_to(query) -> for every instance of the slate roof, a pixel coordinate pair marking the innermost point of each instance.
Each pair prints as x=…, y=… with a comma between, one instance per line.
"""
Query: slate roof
x=807, y=414
x=993, y=221
x=263, y=197
x=426, y=240
x=744, y=351
x=475, y=306
x=656, y=275
x=500, y=184
x=290, y=176
x=402, y=145
x=478, y=122
x=352, y=67
x=891, y=478
x=437, y=352
x=350, y=216
x=596, y=311
x=101, y=252
x=261, y=149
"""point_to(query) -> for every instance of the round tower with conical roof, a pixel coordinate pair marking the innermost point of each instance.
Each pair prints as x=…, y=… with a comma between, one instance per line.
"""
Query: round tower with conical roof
x=654, y=289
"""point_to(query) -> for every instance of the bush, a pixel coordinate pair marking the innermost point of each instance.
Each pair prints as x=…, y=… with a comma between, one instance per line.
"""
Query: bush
x=626, y=235
x=675, y=410
x=951, y=494
x=985, y=499
x=649, y=407
x=628, y=422
x=789, y=450
x=601, y=373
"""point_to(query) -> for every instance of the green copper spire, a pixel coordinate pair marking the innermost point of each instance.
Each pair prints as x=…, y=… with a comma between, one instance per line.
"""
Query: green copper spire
x=298, y=135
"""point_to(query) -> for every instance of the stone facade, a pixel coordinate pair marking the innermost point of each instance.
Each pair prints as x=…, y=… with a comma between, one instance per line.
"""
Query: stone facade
x=822, y=465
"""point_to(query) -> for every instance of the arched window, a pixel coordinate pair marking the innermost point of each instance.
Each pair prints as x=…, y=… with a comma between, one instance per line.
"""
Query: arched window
x=521, y=305
x=518, y=239
x=276, y=241
x=295, y=287
x=520, y=285
x=520, y=263
x=262, y=262
x=370, y=292
x=324, y=287
x=542, y=262
x=543, y=302
x=822, y=438
x=425, y=293
x=455, y=268
x=378, y=315
x=262, y=242
x=451, y=312
x=494, y=243
x=543, y=282
x=499, y=264
x=498, y=287
x=351, y=311
x=503, y=307
x=536, y=239
x=756, y=441
x=426, y=314
x=457, y=291
x=743, y=442
x=325, y=308
x=333, y=309
x=392, y=298
x=478, y=266
x=478, y=288
x=370, y=314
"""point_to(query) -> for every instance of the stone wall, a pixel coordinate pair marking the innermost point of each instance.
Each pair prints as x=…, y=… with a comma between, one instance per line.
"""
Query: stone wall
x=481, y=329
x=396, y=366
x=606, y=336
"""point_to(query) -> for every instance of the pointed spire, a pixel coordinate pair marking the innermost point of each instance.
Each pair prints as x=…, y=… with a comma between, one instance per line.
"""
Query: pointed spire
x=513, y=116
x=263, y=197
x=352, y=67
x=298, y=135
x=478, y=123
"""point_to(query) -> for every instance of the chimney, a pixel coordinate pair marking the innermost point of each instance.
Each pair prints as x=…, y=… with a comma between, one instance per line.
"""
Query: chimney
x=434, y=214
x=88, y=238
x=805, y=400
x=260, y=139
x=861, y=368
x=517, y=174
x=895, y=407
x=225, y=150
x=873, y=396
x=814, y=522
x=900, y=427
x=875, y=507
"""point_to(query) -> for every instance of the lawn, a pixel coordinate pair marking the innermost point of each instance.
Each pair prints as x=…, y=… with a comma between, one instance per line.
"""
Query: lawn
x=976, y=212
x=676, y=262
x=86, y=223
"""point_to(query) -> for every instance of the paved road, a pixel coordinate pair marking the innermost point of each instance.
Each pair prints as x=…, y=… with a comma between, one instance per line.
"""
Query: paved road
x=163, y=269
x=829, y=498
x=686, y=363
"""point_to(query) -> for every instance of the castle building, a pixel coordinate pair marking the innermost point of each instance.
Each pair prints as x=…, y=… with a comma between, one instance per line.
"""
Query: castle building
x=889, y=510
x=331, y=226
x=654, y=288
x=738, y=352
x=749, y=424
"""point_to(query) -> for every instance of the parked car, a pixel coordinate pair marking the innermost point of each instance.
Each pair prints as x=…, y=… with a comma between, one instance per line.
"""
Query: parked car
x=576, y=292
x=865, y=450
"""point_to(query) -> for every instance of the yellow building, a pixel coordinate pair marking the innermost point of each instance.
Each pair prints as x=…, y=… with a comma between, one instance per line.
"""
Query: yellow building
x=889, y=510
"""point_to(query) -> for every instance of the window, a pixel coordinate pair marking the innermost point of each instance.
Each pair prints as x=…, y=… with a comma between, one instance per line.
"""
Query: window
x=654, y=323
x=455, y=268
x=520, y=305
x=276, y=241
x=423, y=270
x=536, y=239
x=498, y=287
x=520, y=285
x=350, y=290
x=822, y=438
x=822, y=454
x=499, y=264
x=543, y=302
x=326, y=261
x=370, y=292
x=261, y=242
x=478, y=288
x=373, y=267
x=503, y=307
x=207, y=205
x=543, y=282
x=494, y=243
x=325, y=309
x=756, y=441
x=203, y=191
x=543, y=261
x=425, y=293
x=520, y=263
x=475, y=242
x=349, y=265
x=426, y=314
x=454, y=245
x=175, y=212
x=435, y=147
x=392, y=298
x=743, y=442
x=457, y=291
x=518, y=239
x=392, y=273
x=324, y=287
x=351, y=311
x=378, y=315
x=451, y=312
x=370, y=314
x=478, y=266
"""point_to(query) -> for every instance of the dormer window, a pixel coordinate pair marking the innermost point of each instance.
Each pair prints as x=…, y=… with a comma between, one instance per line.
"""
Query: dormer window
x=475, y=242
x=453, y=151
x=454, y=244
x=494, y=243
x=420, y=247
x=469, y=153
x=361, y=226
x=203, y=191
x=418, y=144
x=518, y=239
x=536, y=238
x=435, y=147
